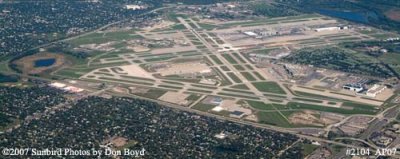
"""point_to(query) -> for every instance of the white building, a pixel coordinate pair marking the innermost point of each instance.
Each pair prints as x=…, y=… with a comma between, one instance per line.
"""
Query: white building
x=57, y=85
x=331, y=28
x=134, y=7
x=250, y=33
x=375, y=90
x=353, y=87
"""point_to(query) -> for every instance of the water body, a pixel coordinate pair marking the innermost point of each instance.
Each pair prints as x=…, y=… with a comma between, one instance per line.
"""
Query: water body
x=351, y=16
x=45, y=62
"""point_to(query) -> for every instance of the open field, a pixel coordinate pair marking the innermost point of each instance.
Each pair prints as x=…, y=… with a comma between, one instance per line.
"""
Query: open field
x=273, y=118
x=261, y=105
x=271, y=87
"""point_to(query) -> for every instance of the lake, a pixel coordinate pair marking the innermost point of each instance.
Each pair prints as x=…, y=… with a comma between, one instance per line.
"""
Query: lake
x=45, y=62
x=352, y=16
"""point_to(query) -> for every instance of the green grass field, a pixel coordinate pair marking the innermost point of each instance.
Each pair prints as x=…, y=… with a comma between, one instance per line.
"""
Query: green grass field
x=261, y=105
x=171, y=87
x=293, y=105
x=216, y=59
x=229, y=58
x=239, y=96
x=308, y=100
x=203, y=107
x=308, y=149
x=249, y=67
x=193, y=97
x=237, y=56
x=153, y=93
x=237, y=91
x=360, y=106
x=224, y=68
x=259, y=76
x=125, y=81
x=199, y=90
x=207, y=26
x=273, y=118
x=68, y=73
x=240, y=86
x=173, y=82
x=203, y=86
x=234, y=77
x=270, y=87
x=248, y=76
x=225, y=81
x=98, y=38
x=239, y=67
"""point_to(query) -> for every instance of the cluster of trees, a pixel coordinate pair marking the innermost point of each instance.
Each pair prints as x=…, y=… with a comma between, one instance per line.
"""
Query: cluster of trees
x=390, y=46
x=198, y=2
x=163, y=132
x=272, y=10
x=339, y=59
x=8, y=78
x=16, y=103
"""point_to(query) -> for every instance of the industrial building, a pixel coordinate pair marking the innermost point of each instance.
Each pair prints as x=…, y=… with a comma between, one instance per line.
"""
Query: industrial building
x=331, y=28
x=66, y=88
x=353, y=87
x=375, y=90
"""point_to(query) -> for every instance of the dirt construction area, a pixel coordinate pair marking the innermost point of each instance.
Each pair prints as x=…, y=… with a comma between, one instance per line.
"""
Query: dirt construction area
x=175, y=97
x=185, y=68
x=135, y=70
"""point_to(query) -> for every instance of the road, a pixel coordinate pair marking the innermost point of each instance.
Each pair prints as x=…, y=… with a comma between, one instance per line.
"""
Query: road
x=95, y=91
x=239, y=121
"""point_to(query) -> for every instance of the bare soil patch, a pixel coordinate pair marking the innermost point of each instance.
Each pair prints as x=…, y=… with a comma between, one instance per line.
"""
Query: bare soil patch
x=393, y=14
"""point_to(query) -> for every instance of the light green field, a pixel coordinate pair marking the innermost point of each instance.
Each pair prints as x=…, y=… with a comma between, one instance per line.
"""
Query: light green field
x=216, y=59
x=229, y=58
x=270, y=87
x=293, y=105
x=98, y=38
x=260, y=105
x=240, y=86
x=248, y=76
x=234, y=77
x=239, y=67
x=203, y=107
x=273, y=118
x=154, y=93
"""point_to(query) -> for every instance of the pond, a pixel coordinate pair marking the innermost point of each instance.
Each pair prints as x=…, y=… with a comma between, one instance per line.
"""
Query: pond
x=45, y=62
x=352, y=16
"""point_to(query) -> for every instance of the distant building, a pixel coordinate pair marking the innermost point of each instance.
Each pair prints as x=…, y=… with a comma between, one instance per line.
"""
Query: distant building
x=236, y=114
x=134, y=7
x=353, y=87
x=66, y=88
x=392, y=39
x=250, y=33
x=375, y=90
x=221, y=135
x=216, y=100
x=57, y=85
x=331, y=28
x=72, y=89
x=217, y=109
